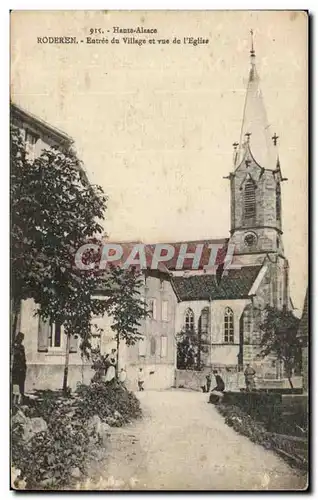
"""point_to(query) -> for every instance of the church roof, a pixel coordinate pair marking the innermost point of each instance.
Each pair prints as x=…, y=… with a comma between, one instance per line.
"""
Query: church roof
x=256, y=136
x=303, y=325
x=235, y=284
x=191, y=246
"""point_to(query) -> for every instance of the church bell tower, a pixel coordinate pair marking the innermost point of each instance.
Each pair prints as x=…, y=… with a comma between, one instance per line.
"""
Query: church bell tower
x=256, y=212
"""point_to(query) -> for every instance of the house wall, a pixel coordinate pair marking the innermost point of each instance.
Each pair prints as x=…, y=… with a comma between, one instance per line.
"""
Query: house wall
x=158, y=369
x=45, y=369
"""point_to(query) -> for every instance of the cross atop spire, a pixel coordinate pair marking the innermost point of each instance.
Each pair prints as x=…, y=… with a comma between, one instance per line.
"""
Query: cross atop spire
x=275, y=139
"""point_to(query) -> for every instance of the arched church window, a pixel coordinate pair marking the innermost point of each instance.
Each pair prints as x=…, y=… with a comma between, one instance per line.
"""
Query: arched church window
x=249, y=200
x=228, y=326
x=204, y=321
x=248, y=324
x=278, y=202
x=189, y=319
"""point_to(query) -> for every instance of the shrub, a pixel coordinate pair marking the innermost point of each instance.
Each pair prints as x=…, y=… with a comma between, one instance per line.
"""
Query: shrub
x=104, y=400
x=48, y=458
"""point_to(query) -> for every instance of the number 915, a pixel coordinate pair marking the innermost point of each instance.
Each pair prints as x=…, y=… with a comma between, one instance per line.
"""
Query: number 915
x=94, y=31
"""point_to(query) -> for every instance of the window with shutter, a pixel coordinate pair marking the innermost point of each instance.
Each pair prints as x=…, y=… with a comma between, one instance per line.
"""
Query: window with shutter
x=142, y=346
x=31, y=140
x=163, y=346
x=152, y=308
x=55, y=336
x=153, y=346
x=164, y=314
x=43, y=335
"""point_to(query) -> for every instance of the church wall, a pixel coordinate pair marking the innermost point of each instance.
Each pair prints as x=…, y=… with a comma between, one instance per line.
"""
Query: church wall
x=221, y=353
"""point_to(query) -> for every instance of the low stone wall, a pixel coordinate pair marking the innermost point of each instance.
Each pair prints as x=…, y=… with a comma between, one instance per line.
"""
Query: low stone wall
x=49, y=376
x=233, y=380
x=191, y=379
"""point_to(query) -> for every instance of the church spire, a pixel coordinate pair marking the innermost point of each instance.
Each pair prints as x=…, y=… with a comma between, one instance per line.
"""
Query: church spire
x=255, y=125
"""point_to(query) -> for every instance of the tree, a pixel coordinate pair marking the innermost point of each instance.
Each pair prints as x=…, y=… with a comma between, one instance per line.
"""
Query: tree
x=280, y=337
x=125, y=304
x=189, y=348
x=54, y=211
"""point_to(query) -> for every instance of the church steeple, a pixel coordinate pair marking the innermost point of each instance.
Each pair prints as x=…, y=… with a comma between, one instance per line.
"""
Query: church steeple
x=255, y=124
x=256, y=221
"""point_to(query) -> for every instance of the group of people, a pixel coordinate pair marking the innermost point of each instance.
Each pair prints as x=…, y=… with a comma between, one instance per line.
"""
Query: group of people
x=249, y=375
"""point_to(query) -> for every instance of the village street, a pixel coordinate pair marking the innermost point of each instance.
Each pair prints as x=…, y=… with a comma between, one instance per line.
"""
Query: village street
x=183, y=443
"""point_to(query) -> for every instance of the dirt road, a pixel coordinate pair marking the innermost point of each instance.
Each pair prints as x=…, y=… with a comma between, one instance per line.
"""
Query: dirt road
x=183, y=443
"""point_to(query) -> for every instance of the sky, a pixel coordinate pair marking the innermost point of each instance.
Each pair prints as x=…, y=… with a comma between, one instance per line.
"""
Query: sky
x=154, y=124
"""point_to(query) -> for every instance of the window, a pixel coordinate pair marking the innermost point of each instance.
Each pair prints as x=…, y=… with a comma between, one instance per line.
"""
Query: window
x=153, y=346
x=204, y=323
x=189, y=319
x=162, y=285
x=163, y=346
x=142, y=347
x=164, y=311
x=31, y=140
x=228, y=326
x=55, y=335
x=248, y=325
x=152, y=308
x=278, y=202
x=249, y=201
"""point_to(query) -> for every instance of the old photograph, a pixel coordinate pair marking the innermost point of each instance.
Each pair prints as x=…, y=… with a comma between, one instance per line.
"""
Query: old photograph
x=159, y=286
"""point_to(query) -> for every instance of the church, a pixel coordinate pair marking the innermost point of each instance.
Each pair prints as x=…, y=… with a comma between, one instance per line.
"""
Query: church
x=225, y=306
x=227, y=310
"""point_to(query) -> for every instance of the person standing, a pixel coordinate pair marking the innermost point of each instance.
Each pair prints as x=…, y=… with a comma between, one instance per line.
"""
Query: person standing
x=122, y=377
x=19, y=364
x=111, y=369
x=249, y=375
x=141, y=380
x=208, y=382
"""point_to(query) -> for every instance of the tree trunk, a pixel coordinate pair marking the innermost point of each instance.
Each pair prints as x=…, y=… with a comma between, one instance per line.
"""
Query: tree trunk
x=67, y=357
x=117, y=353
x=15, y=311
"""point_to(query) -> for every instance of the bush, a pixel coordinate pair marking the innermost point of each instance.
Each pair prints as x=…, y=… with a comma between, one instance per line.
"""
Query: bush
x=107, y=401
x=48, y=460
x=245, y=424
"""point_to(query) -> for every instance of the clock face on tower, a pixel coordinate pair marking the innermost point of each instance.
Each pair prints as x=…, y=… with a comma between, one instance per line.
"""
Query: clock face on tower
x=250, y=239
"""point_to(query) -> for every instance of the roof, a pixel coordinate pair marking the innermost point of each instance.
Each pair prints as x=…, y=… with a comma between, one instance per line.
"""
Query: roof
x=167, y=266
x=256, y=124
x=191, y=246
x=53, y=132
x=303, y=325
x=235, y=284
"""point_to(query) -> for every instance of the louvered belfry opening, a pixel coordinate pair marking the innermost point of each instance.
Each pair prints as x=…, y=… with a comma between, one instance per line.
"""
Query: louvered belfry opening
x=249, y=202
